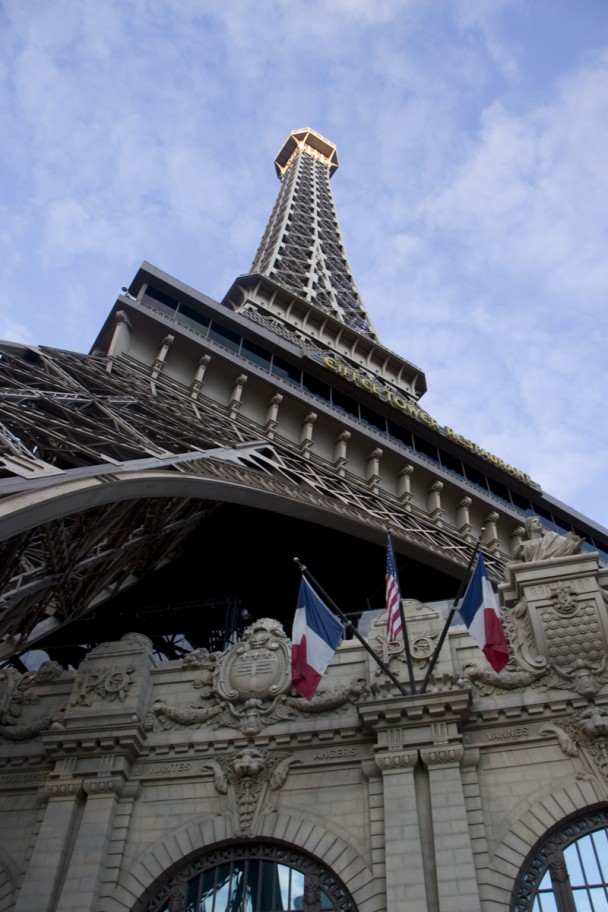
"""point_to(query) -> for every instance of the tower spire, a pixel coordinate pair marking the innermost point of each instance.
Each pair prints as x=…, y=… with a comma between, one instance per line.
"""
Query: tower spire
x=302, y=247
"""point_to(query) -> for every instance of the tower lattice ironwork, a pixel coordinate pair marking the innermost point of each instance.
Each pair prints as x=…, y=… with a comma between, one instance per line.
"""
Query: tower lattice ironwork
x=302, y=247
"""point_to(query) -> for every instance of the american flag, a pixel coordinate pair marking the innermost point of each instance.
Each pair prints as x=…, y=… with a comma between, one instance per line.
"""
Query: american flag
x=393, y=595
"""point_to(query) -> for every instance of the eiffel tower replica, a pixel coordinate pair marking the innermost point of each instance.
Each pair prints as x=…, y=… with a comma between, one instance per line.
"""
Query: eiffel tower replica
x=164, y=482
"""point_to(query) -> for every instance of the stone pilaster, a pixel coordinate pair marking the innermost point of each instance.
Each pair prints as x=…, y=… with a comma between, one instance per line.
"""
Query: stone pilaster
x=456, y=881
x=404, y=862
x=43, y=880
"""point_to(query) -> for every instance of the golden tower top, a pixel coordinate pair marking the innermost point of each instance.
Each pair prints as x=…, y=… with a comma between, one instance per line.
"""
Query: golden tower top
x=311, y=142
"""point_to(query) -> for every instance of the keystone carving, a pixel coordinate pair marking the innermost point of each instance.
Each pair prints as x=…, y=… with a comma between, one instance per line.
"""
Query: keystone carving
x=248, y=779
x=247, y=687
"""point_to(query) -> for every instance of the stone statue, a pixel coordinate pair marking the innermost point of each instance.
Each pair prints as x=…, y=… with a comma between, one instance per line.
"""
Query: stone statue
x=538, y=543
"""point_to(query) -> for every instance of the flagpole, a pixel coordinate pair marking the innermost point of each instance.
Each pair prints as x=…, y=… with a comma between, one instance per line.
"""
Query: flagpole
x=351, y=626
x=406, y=639
x=459, y=594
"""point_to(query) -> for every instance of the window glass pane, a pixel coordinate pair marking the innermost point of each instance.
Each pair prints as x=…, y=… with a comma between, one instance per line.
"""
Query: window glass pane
x=599, y=902
x=192, y=318
x=573, y=864
x=373, y=418
x=255, y=353
x=316, y=387
x=344, y=402
x=225, y=337
x=600, y=842
x=283, y=369
x=545, y=903
x=426, y=448
x=400, y=434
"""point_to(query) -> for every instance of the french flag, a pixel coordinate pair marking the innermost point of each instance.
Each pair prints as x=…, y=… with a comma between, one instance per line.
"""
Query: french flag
x=314, y=639
x=479, y=610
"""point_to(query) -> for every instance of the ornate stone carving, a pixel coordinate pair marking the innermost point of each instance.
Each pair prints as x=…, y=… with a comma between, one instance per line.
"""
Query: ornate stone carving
x=583, y=677
x=537, y=543
x=248, y=778
x=248, y=686
x=564, y=598
x=585, y=735
x=110, y=683
x=15, y=694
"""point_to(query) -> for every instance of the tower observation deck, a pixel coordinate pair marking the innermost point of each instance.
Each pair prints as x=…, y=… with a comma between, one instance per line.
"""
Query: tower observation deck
x=302, y=247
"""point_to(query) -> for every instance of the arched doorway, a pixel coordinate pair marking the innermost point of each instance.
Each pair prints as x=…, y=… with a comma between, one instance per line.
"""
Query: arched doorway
x=252, y=877
x=567, y=871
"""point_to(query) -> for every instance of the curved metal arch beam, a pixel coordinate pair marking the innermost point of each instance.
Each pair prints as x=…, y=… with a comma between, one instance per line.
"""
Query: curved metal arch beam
x=28, y=509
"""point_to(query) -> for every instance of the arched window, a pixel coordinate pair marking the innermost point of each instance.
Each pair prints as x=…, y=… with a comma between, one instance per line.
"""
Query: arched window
x=252, y=878
x=568, y=870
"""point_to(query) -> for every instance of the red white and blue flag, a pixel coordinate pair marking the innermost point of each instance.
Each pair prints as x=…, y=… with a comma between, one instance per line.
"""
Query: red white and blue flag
x=314, y=639
x=393, y=596
x=480, y=612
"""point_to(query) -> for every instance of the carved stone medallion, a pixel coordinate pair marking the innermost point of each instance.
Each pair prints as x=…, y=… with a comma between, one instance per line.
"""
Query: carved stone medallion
x=256, y=668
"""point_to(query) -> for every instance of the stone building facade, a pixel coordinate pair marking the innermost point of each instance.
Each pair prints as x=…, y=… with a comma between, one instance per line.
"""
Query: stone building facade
x=123, y=782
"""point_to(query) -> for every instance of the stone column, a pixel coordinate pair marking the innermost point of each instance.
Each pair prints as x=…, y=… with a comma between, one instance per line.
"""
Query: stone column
x=405, y=882
x=340, y=458
x=456, y=881
x=272, y=412
x=433, y=502
x=237, y=394
x=306, y=434
x=199, y=376
x=41, y=888
x=463, y=517
x=121, y=338
x=491, y=532
x=404, y=485
x=83, y=879
x=159, y=361
x=373, y=468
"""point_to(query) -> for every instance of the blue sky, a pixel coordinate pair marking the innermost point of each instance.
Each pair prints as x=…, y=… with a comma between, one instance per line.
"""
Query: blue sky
x=472, y=190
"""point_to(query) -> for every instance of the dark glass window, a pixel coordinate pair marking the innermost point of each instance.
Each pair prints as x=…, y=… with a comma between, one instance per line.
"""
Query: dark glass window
x=476, y=477
x=316, y=387
x=451, y=462
x=400, y=433
x=344, y=402
x=500, y=490
x=192, y=318
x=226, y=337
x=253, y=879
x=373, y=418
x=428, y=449
x=522, y=502
x=157, y=295
x=542, y=511
x=255, y=353
x=283, y=369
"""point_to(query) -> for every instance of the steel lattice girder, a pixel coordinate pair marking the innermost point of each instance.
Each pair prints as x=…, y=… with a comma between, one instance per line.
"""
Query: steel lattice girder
x=101, y=488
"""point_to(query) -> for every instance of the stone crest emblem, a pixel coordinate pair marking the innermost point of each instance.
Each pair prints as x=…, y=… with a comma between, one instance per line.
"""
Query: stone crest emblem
x=256, y=668
x=247, y=687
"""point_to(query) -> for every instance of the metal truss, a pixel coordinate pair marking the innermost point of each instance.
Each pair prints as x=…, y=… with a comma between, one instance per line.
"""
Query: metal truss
x=79, y=421
x=302, y=247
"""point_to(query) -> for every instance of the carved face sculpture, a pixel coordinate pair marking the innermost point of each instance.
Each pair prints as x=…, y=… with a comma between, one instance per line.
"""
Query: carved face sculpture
x=534, y=527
